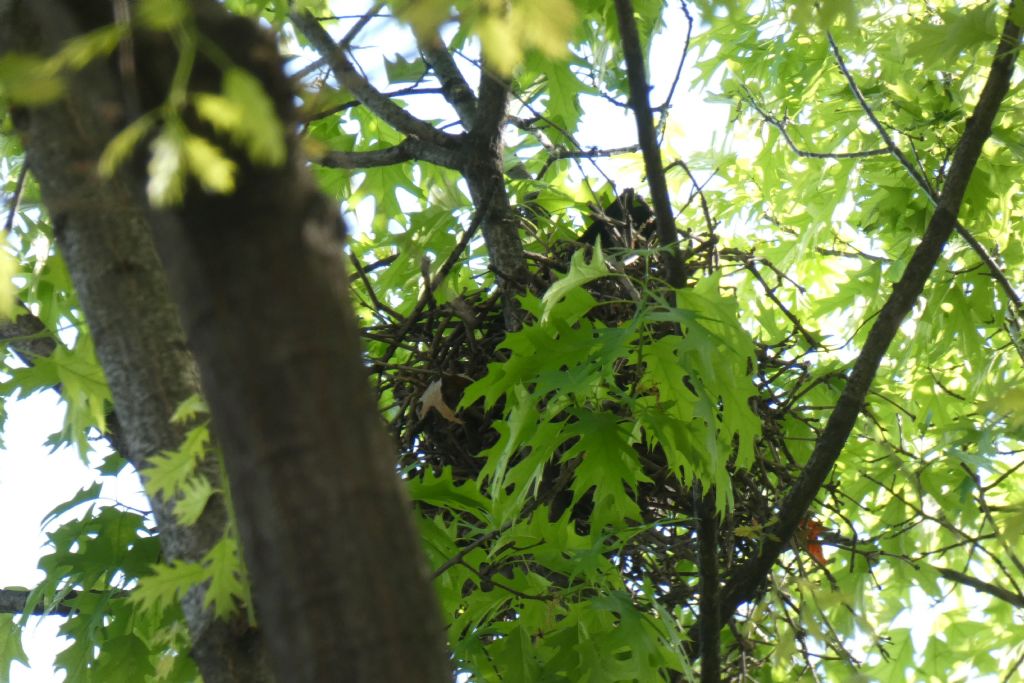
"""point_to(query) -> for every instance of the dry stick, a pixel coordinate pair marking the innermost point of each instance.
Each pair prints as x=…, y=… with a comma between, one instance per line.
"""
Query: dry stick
x=744, y=583
x=704, y=497
x=923, y=183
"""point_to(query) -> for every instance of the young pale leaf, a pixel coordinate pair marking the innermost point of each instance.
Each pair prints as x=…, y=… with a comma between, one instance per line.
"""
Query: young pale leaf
x=8, y=269
x=166, y=585
x=224, y=114
x=189, y=408
x=29, y=79
x=223, y=567
x=580, y=273
x=195, y=493
x=122, y=144
x=161, y=15
x=80, y=50
x=260, y=131
x=214, y=171
x=167, y=168
x=168, y=471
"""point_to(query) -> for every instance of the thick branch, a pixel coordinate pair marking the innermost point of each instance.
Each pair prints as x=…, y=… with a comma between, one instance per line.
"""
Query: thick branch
x=840, y=424
x=377, y=102
x=453, y=85
x=483, y=168
x=410, y=149
x=639, y=99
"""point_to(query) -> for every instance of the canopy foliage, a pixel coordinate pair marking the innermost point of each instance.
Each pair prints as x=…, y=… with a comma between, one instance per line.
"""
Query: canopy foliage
x=609, y=430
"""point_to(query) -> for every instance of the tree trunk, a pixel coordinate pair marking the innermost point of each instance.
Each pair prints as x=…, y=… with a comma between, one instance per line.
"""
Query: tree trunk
x=340, y=585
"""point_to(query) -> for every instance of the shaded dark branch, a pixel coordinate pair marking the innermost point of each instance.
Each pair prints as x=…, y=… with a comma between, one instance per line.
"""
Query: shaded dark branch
x=639, y=96
x=414, y=89
x=13, y=601
x=27, y=336
x=710, y=589
x=1006, y=596
x=483, y=169
x=375, y=101
x=491, y=106
x=829, y=445
x=453, y=85
x=770, y=292
x=408, y=150
x=994, y=269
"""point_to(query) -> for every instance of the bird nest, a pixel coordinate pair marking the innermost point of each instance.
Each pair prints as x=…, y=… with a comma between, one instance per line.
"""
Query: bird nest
x=443, y=350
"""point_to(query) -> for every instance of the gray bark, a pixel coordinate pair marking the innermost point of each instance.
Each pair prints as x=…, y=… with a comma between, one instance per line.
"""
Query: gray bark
x=104, y=236
x=338, y=578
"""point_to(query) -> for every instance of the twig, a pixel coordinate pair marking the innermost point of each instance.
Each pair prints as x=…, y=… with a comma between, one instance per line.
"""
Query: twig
x=346, y=41
x=377, y=102
x=923, y=183
x=781, y=127
x=428, y=293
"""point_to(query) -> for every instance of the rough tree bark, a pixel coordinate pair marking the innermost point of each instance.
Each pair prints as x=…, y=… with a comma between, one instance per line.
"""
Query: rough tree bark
x=338, y=579
x=104, y=237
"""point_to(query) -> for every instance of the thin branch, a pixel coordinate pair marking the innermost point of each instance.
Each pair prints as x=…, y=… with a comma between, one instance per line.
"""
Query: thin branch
x=664, y=106
x=19, y=188
x=781, y=127
x=375, y=100
x=743, y=585
x=13, y=601
x=1006, y=596
x=346, y=40
x=435, y=282
x=922, y=182
x=639, y=96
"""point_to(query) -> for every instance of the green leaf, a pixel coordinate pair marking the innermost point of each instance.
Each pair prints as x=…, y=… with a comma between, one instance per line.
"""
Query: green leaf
x=580, y=273
x=10, y=646
x=124, y=658
x=189, y=409
x=214, y=171
x=30, y=80
x=195, y=493
x=223, y=567
x=86, y=494
x=166, y=585
x=122, y=145
x=168, y=472
x=167, y=168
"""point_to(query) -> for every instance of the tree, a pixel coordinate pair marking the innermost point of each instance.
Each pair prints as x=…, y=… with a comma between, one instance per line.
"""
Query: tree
x=727, y=423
